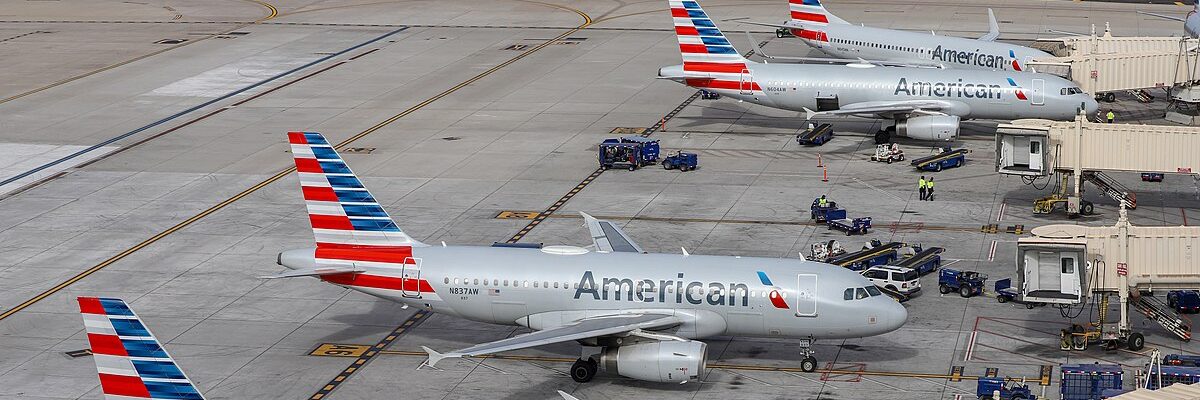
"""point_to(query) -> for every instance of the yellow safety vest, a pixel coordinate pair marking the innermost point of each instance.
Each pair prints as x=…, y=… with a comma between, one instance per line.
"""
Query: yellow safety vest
x=822, y=202
x=929, y=184
x=921, y=184
x=1111, y=115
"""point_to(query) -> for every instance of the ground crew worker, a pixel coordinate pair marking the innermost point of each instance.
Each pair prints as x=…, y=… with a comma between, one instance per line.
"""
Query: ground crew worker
x=929, y=189
x=822, y=202
x=921, y=187
x=1110, y=116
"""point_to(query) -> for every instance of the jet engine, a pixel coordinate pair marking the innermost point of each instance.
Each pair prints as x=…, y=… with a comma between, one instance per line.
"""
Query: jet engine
x=929, y=127
x=657, y=361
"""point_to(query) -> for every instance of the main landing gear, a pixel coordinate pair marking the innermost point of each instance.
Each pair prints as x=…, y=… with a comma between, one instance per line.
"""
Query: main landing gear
x=885, y=136
x=584, y=370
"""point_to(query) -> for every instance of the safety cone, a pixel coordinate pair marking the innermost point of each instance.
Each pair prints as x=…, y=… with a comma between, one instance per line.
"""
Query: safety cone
x=824, y=174
x=820, y=164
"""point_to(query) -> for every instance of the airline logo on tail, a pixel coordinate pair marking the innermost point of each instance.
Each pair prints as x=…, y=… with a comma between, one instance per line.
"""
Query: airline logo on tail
x=132, y=364
x=776, y=296
x=709, y=60
x=811, y=11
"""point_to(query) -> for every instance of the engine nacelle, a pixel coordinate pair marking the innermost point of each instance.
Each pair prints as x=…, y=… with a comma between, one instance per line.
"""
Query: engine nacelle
x=658, y=361
x=929, y=127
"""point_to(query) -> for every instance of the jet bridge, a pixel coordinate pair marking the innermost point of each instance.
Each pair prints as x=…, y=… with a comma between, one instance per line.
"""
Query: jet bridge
x=1105, y=64
x=1065, y=264
x=1085, y=150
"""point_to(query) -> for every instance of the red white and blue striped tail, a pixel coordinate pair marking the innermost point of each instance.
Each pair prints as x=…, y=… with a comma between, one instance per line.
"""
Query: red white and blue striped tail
x=812, y=12
x=132, y=364
x=349, y=224
x=709, y=59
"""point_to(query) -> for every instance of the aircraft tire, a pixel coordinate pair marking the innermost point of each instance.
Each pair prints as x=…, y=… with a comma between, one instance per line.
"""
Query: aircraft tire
x=1135, y=341
x=583, y=371
x=808, y=364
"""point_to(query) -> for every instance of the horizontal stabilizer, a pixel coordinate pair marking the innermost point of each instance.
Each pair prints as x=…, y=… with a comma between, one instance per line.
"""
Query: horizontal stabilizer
x=435, y=357
x=315, y=272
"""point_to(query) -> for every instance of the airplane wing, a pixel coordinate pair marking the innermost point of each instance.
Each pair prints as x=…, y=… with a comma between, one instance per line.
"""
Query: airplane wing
x=887, y=109
x=315, y=272
x=1170, y=17
x=582, y=329
x=608, y=237
x=993, y=28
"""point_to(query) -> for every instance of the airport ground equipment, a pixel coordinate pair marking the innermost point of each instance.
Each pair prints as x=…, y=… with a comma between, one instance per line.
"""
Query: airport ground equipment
x=1082, y=151
x=1184, y=301
x=631, y=152
x=707, y=95
x=1006, y=293
x=824, y=251
x=987, y=387
x=825, y=213
x=1186, y=360
x=817, y=136
x=1152, y=177
x=899, y=282
x=1167, y=375
x=923, y=260
x=966, y=283
x=875, y=254
x=1074, y=265
x=1104, y=64
x=888, y=152
x=944, y=158
x=682, y=161
x=1089, y=381
x=851, y=226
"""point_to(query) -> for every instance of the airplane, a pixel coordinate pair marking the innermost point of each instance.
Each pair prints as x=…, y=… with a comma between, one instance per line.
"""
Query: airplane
x=923, y=103
x=637, y=314
x=131, y=362
x=1191, y=23
x=827, y=33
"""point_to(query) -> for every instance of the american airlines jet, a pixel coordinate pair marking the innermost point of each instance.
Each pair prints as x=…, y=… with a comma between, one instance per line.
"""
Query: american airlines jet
x=827, y=33
x=923, y=103
x=636, y=314
x=131, y=362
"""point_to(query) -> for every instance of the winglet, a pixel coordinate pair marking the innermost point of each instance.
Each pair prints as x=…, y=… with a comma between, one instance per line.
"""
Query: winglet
x=993, y=28
x=809, y=114
x=435, y=357
x=566, y=396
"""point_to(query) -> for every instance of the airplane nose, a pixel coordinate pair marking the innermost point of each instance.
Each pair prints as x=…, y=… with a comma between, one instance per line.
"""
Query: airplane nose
x=1091, y=106
x=897, y=315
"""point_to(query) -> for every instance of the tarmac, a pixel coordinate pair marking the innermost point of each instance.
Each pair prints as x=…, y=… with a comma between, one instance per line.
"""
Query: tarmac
x=163, y=181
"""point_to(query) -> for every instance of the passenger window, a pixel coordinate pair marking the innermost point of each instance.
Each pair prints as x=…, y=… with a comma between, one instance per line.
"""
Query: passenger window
x=525, y=283
x=860, y=293
x=544, y=284
x=556, y=285
x=495, y=282
x=447, y=280
x=455, y=281
x=535, y=284
x=476, y=282
x=1068, y=265
x=506, y=282
x=848, y=294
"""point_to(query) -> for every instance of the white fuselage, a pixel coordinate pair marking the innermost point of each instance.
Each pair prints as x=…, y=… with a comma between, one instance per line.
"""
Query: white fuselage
x=854, y=42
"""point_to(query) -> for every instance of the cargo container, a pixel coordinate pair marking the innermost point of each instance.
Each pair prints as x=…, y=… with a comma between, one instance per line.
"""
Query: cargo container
x=1089, y=381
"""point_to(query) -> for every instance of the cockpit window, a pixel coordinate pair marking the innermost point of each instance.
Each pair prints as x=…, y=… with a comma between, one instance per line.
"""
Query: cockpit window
x=860, y=293
x=874, y=291
x=1070, y=91
x=848, y=295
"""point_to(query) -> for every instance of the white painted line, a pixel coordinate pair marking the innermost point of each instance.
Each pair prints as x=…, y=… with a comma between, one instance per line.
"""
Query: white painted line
x=970, y=346
x=992, y=252
x=1000, y=215
x=877, y=189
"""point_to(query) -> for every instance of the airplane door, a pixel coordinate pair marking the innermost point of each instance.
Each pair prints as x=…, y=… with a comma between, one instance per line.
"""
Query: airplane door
x=1039, y=92
x=746, y=85
x=410, y=278
x=806, y=295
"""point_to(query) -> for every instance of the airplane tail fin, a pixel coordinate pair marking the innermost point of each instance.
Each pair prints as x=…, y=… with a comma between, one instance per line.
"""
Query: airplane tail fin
x=709, y=59
x=346, y=219
x=812, y=12
x=132, y=364
x=993, y=28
